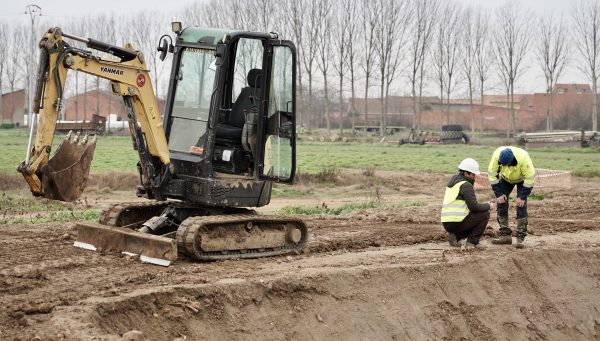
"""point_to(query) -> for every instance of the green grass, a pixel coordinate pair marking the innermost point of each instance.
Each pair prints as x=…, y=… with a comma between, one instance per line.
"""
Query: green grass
x=15, y=209
x=344, y=209
x=313, y=157
x=10, y=204
x=536, y=196
x=53, y=217
x=115, y=153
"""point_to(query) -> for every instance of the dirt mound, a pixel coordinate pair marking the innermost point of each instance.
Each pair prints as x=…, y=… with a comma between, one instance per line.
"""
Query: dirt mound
x=533, y=294
x=10, y=182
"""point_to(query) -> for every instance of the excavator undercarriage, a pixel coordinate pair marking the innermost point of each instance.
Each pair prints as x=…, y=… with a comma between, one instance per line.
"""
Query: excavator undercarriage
x=202, y=234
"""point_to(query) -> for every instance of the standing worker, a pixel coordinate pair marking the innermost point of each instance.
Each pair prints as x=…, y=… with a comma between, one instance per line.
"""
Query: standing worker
x=511, y=166
x=462, y=216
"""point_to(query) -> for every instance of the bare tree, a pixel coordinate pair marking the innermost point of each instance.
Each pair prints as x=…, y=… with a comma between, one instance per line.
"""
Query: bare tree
x=223, y=13
x=16, y=70
x=196, y=14
x=482, y=55
x=422, y=27
x=390, y=37
x=369, y=24
x=341, y=23
x=469, y=55
x=586, y=15
x=512, y=37
x=353, y=55
x=262, y=12
x=551, y=51
x=446, y=52
x=310, y=27
x=4, y=35
x=324, y=8
x=294, y=14
x=147, y=39
x=79, y=27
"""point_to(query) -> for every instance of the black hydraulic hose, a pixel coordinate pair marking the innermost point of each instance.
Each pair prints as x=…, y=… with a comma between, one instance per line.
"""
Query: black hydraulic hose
x=117, y=51
x=59, y=60
x=41, y=79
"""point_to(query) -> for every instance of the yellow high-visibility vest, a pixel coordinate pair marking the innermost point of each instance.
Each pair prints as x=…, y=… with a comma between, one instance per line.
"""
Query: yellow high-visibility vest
x=454, y=210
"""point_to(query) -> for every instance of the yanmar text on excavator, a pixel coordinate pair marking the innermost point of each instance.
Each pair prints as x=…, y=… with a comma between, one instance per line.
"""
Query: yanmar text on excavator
x=227, y=133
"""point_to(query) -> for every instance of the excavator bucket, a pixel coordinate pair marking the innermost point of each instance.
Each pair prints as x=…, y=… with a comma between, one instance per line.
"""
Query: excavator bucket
x=65, y=176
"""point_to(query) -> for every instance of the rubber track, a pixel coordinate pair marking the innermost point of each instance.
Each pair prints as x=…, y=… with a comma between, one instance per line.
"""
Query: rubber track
x=188, y=236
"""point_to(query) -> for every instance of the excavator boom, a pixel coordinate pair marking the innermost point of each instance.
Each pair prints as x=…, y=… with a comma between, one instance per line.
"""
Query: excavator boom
x=63, y=176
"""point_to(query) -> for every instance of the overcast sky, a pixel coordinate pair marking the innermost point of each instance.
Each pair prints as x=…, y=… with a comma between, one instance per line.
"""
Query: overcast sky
x=14, y=11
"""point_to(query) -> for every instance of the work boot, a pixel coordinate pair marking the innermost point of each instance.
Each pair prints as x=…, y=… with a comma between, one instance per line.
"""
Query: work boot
x=471, y=246
x=519, y=243
x=503, y=239
x=453, y=240
x=505, y=232
x=521, y=232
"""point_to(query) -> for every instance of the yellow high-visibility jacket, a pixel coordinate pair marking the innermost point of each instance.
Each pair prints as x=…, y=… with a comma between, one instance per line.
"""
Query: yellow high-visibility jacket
x=523, y=171
x=453, y=209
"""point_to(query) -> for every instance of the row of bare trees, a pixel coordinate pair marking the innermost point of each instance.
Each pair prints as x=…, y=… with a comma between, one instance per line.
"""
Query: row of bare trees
x=350, y=49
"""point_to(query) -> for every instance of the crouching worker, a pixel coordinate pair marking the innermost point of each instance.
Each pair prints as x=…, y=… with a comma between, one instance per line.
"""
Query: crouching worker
x=462, y=216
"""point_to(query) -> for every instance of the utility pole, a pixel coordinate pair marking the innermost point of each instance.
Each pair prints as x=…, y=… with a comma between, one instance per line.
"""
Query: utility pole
x=34, y=11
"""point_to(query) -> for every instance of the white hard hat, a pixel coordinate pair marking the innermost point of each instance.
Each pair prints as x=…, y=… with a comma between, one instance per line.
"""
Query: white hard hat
x=469, y=165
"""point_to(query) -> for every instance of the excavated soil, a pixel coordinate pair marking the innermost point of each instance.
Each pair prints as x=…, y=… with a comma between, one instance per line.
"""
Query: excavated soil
x=372, y=274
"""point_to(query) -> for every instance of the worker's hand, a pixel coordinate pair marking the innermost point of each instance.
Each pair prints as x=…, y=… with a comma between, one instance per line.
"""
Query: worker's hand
x=492, y=204
x=501, y=199
x=520, y=202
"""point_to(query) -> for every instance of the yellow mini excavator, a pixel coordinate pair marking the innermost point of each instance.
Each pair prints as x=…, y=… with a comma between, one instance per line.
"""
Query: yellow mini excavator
x=227, y=133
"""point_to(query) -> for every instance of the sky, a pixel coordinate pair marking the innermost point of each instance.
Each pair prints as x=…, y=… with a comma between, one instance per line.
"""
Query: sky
x=14, y=11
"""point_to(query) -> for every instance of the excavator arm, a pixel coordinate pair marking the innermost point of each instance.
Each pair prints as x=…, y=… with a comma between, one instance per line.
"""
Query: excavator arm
x=63, y=176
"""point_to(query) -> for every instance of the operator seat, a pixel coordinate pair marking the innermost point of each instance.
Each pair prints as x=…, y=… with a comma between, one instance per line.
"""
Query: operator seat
x=246, y=103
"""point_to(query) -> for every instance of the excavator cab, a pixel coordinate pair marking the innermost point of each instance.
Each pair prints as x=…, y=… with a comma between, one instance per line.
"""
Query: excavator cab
x=230, y=116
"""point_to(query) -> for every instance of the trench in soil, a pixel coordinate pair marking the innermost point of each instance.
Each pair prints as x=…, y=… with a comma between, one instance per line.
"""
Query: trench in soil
x=539, y=294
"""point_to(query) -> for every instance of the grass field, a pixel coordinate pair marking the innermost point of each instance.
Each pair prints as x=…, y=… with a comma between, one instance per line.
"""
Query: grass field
x=115, y=153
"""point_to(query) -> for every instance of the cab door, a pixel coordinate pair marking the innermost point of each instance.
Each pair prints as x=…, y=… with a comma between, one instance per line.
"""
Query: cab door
x=278, y=150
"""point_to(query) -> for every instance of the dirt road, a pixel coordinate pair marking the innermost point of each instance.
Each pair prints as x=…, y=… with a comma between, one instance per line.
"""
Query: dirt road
x=374, y=274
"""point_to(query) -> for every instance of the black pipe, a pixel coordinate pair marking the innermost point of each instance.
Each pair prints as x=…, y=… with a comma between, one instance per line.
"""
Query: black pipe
x=41, y=79
x=120, y=52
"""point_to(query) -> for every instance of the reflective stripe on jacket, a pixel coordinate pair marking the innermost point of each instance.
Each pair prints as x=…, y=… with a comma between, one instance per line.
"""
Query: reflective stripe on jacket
x=454, y=210
x=523, y=171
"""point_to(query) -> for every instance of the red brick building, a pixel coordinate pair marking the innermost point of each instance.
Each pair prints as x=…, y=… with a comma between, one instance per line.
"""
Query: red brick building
x=14, y=107
x=83, y=106
x=572, y=108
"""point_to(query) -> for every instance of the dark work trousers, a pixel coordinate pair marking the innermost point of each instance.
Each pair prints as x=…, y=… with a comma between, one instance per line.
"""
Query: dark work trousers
x=506, y=188
x=471, y=228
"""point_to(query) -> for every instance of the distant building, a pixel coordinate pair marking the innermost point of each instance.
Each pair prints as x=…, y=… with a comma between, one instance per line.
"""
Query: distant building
x=14, y=107
x=103, y=103
x=572, y=107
